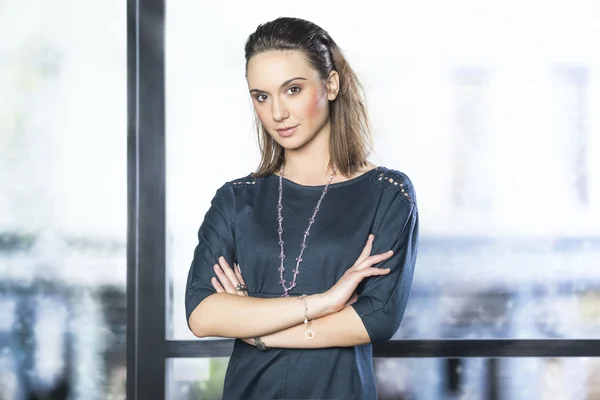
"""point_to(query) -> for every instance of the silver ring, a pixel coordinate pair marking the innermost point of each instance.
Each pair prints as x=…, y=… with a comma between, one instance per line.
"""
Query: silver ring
x=239, y=287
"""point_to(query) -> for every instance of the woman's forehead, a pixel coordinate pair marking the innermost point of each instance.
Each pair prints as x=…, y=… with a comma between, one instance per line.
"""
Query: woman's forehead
x=273, y=68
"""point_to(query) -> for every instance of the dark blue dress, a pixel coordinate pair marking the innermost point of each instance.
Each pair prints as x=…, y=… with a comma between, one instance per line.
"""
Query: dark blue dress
x=241, y=225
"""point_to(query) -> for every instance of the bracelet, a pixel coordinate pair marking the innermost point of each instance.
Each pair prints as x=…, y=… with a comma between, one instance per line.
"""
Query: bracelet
x=260, y=345
x=309, y=334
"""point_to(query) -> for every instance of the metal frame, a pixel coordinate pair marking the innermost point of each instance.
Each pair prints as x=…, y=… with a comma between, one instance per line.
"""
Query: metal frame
x=449, y=348
x=147, y=349
x=146, y=232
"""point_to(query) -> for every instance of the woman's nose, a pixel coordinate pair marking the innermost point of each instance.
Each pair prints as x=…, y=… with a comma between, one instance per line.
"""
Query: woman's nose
x=279, y=111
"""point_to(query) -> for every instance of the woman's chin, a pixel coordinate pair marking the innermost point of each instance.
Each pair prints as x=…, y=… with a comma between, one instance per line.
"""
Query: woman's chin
x=292, y=143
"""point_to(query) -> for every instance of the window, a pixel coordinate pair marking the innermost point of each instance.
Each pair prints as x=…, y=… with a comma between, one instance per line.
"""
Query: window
x=473, y=151
x=63, y=199
x=570, y=117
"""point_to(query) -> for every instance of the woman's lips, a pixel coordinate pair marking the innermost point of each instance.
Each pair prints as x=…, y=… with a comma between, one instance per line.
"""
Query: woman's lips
x=287, y=132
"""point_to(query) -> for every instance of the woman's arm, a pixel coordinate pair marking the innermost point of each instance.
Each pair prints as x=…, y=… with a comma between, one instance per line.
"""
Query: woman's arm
x=230, y=315
x=341, y=329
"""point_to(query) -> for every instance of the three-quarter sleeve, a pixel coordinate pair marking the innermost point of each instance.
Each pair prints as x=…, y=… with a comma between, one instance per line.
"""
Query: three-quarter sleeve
x=382, y=299
x=215, y=239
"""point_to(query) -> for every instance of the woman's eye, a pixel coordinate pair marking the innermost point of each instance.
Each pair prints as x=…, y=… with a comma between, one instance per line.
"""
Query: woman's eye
x=261, y=98
x=294, y=90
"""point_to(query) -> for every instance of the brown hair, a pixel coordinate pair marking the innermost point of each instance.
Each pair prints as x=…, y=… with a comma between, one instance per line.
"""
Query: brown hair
x=350, y=141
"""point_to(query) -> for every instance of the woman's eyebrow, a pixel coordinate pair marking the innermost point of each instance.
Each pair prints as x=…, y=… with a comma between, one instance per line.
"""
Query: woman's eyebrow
x=282, y=85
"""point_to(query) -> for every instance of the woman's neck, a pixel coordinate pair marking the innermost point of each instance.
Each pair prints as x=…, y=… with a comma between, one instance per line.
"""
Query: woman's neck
x=310, y=163
x=307, y=166
x=314, y=171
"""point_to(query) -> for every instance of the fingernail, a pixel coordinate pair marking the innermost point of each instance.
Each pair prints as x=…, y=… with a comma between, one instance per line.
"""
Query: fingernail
x=391, y=252
x=221, y=258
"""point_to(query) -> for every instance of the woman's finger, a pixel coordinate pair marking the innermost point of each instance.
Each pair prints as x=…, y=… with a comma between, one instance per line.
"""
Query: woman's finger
x=228, y=271
x=372, y=260
x=238, y=274
x=366, y=250
x=227, y=284
x=373, y=271
x=217, y=285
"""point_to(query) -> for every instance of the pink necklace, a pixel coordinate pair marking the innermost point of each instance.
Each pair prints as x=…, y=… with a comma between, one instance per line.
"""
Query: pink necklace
x=292, y=285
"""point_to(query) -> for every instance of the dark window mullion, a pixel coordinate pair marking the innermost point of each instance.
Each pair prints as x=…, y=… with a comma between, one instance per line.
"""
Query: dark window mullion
x=146, y=294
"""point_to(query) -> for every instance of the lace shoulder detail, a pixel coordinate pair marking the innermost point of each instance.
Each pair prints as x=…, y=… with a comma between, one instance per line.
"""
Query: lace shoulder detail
x=247, y=181
x=395, y=180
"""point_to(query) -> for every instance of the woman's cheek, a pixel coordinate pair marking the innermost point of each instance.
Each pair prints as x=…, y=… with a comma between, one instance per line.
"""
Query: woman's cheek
x=314, y=107
x=263, y=117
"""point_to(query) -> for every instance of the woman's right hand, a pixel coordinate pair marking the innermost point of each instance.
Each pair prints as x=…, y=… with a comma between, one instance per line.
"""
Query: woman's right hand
x=342, y=292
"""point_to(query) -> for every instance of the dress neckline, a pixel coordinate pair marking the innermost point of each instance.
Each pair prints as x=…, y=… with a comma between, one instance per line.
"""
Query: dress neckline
x=291, y=183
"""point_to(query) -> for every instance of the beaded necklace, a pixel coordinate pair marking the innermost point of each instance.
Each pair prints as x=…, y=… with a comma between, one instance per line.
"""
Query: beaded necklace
x=282, y=281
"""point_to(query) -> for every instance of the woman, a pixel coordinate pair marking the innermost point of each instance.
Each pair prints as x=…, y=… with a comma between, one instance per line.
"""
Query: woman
x=310, y=259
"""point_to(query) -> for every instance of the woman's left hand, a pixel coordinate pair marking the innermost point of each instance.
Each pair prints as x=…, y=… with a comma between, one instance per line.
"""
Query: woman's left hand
x=227, y=281
x=228, y=278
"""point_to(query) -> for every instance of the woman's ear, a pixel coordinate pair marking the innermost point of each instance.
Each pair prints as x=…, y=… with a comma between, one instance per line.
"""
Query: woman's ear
x=333, y=85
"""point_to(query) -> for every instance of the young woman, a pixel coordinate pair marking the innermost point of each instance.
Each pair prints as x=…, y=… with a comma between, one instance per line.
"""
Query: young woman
x=308, y=260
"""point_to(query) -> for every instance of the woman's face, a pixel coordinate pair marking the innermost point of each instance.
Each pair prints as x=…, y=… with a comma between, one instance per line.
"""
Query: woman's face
x=290, y=98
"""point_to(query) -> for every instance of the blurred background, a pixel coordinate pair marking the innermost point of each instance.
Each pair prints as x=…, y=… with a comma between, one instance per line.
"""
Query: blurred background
x=491, y=107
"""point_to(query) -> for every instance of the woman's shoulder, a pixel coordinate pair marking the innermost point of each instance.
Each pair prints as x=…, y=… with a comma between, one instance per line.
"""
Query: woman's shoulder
x=395, y=180
x=247, y=181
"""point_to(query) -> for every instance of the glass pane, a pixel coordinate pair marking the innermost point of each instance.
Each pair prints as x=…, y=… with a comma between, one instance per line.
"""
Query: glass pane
x=63, y=199
x=431, y=379
x=498, y=132
x=194, y=378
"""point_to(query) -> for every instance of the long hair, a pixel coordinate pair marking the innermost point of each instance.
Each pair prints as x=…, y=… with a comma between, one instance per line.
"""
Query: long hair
x=350, y=140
